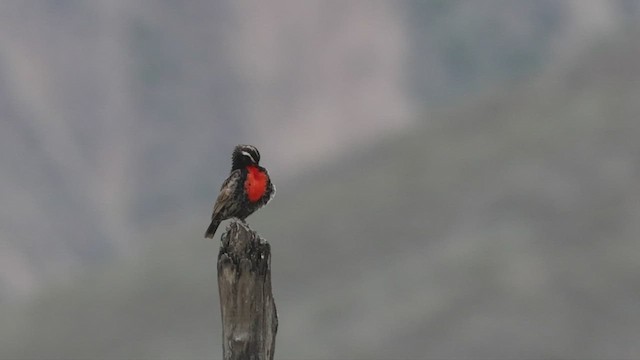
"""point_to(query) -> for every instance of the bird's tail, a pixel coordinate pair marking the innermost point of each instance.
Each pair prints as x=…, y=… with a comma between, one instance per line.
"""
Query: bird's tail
x=212, y=229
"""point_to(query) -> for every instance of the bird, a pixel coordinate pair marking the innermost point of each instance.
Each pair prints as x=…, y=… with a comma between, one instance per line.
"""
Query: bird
x=247, y=188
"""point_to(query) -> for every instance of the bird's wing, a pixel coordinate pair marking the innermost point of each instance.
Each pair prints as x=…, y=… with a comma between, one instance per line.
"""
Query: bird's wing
x=226, y=193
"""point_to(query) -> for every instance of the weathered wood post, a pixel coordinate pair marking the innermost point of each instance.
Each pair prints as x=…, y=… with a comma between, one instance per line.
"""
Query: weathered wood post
x=249, y=318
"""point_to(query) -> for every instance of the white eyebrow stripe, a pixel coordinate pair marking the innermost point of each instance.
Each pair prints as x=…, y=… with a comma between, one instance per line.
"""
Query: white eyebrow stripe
x=249, y=155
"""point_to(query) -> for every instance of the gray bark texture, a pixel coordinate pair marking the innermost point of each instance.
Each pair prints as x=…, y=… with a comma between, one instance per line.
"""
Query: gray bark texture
x=249, y=318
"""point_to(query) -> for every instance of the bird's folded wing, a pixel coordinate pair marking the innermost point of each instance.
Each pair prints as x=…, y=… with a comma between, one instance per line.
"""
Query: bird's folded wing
x=226, y=193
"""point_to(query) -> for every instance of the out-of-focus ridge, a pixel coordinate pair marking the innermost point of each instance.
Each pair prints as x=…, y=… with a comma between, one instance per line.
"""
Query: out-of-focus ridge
x=504, y=227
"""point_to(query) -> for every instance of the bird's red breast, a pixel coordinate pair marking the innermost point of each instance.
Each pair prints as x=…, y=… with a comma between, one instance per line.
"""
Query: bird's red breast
x=256, y=183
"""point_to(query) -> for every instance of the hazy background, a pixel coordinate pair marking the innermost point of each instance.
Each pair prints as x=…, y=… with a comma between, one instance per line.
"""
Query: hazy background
x=456, y=179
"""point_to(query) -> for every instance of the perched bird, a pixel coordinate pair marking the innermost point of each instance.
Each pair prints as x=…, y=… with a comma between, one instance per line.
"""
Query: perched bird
x=247, y=188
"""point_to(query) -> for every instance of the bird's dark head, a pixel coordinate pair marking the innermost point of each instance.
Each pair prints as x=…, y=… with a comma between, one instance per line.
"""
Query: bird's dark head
x=244, y=155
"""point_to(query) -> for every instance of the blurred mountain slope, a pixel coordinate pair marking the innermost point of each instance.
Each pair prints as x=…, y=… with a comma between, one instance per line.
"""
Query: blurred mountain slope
x=503, y=228
x=117, y=115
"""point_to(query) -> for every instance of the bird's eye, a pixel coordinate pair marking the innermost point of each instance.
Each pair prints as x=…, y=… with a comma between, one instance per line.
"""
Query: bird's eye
x=249, y=156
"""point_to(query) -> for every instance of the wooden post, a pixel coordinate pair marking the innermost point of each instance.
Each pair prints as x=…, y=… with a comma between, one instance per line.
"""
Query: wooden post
x=249, y=318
